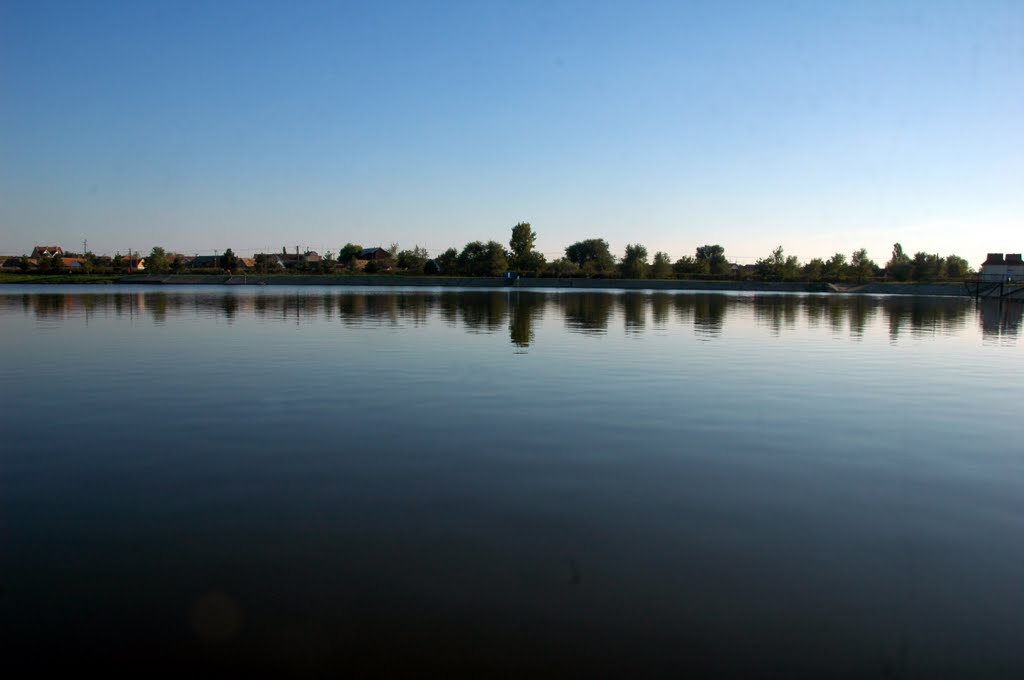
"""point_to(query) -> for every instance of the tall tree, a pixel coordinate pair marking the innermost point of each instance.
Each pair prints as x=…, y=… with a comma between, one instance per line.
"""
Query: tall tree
x=412, y=260
x=347, y=254
x=158, y=262
x=592, y=256
x=899, y=265
x=448, y=261
x=521, y=247
x=814, y=270
x=778, y=267
x=229, y=260
x=927, y=267
x=483, y=259
x=862, y=267
x=661, y=268
x=634, y=261
x=956, y=267
x=714, y=257
x=690, y=265
x=835, y=268
x=328, y=263
x=262, y=263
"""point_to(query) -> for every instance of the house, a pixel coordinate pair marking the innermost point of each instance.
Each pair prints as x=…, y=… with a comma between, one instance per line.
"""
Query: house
x=73, y=263
x=39, y=252
x=10, y=263
x=378, y=256
x=204, y=262
x=377, y=253
x=996, y=268
x=247, y=263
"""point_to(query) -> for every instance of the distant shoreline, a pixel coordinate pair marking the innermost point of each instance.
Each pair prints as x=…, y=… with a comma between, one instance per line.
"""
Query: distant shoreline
x=930, y=289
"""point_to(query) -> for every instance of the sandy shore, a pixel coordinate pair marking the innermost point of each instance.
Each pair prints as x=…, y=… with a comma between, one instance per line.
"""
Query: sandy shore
x=946, y=289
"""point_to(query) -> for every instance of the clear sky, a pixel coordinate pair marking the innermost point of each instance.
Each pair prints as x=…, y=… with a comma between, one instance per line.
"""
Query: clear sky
x=820, y=126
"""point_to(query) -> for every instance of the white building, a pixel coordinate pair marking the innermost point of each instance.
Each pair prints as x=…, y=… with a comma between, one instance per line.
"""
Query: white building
x=997, y=268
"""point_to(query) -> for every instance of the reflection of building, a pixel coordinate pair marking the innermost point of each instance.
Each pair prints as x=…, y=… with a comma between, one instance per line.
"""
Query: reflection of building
x=1000, y=320
x=996, y=268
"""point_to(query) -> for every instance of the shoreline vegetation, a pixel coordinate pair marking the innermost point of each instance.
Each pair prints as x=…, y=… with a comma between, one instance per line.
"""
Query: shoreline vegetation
x=384, y=280
x=586, y=264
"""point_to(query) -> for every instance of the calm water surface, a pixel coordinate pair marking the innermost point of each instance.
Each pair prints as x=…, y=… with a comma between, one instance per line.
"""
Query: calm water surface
x=393, y=481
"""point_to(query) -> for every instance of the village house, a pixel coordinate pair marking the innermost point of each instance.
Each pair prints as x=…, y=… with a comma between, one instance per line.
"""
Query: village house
x=377, y=253
x=73, y=263
x=368, y=255
x=133, y=262
x=203, y=262
x=39, y=252
x=996, y=268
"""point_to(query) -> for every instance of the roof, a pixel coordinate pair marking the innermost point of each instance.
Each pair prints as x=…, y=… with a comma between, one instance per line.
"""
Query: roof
x=993, y=258
x=1014, y=258
x=204, y=260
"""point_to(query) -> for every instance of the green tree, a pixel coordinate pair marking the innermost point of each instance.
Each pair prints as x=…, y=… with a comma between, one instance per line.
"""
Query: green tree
x=778, y=266
x=262, y=263
x=177, y=264
x=687, y=265
x=862, y=267
x=899, y=265
x=24, y=264
x=448, y=261
x=158, y=262
x=521, y=244
x=835, y=268
x=229, y=260
x=592, y=256
x=483, y=259
x=412, y=260
x=328, y=263
x=347, y=254
x=956, y=267
x=563, y=266
x=714, y=257
x=927, y=267
x=661, y=268
x=814, y=270
x=634, y=262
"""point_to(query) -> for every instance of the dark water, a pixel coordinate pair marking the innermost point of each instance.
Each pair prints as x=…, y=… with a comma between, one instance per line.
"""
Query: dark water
x=485, y=482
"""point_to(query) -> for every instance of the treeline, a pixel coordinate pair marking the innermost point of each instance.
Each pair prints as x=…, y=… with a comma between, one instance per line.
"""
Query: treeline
x=587, y=258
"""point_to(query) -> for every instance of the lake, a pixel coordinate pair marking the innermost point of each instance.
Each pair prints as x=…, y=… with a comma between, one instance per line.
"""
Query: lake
x=392, y=481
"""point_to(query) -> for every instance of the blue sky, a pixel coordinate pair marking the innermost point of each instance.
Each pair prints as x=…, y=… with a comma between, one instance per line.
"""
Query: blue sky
x=820, y=126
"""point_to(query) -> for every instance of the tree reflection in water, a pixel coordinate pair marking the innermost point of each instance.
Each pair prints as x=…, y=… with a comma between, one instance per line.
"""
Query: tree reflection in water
x=520, y=312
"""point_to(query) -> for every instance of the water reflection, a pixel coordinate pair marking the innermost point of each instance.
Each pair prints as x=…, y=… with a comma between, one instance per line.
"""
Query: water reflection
x=1000, y=320
x=520, y=313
